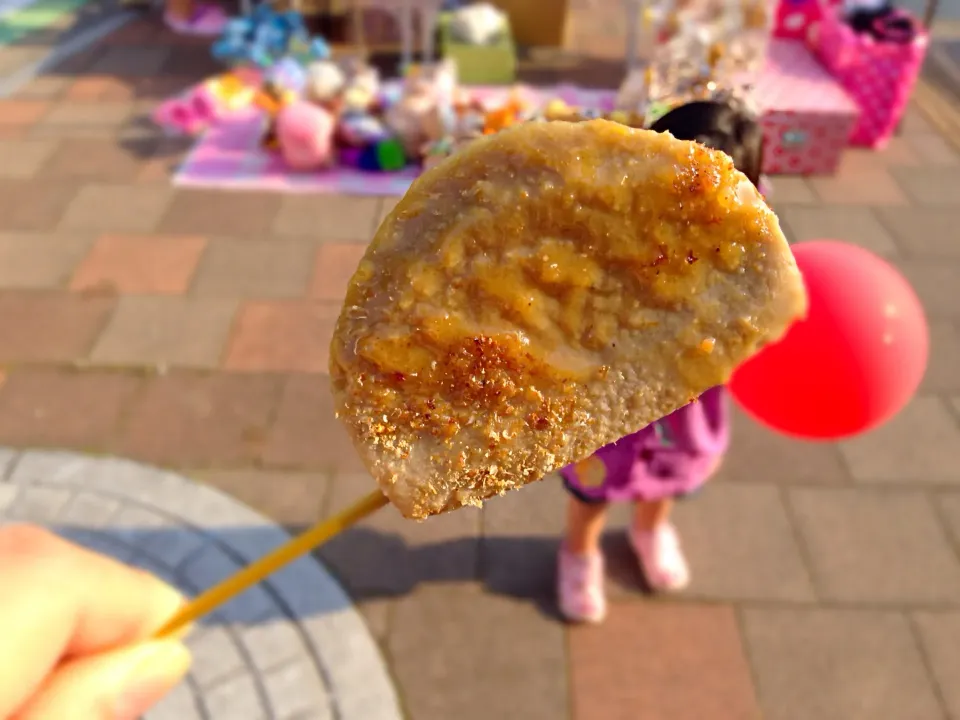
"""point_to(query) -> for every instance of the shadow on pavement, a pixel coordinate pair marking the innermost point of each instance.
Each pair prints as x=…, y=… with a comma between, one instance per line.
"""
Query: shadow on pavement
x=369, y=565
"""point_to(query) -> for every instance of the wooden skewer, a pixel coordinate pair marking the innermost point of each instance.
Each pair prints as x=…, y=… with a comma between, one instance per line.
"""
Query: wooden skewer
x=254, y=573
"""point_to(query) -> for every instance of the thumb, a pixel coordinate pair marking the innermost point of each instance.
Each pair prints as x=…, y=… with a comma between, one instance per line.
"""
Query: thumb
x=118, y=685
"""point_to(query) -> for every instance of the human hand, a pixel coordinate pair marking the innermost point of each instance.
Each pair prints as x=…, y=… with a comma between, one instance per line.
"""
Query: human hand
x=75, y=631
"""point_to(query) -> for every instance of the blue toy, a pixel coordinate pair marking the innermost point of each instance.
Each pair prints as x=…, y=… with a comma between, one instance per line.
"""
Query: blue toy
x=265, y=37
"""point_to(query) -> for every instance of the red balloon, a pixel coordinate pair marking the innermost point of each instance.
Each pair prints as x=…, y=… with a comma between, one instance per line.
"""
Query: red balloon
x=856, y=359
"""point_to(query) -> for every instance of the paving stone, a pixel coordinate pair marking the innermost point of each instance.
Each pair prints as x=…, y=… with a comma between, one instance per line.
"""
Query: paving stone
x=288, y=336
x=293, y=499
x=943, y=366
x=857, y=225
x=8, y=459
x=334, y=265
x=136, y=32
x=920, y=445
x=682, y=662
x=273, y=643
x=435, y=625
x=103, y=160
x=876, y=187
x=216, y=656
x=40, y=505
x=290, y=693
x=44, y=87
x=926, y=233
x=258, y=269
x=937, y=284
x=134, y=61
x=198, y=420
x=387, y=205
x=837, y=665
x=221, y=213
x=166, y=156
x=940, y=635
x=757, y=454
x=22, y=112
x=24, y=158
x=89, y=511
x=327, y=217
x=40, y=407
x=948, y=505
x=874, y=546
x=931, y=186
x=376, y=613
x=521, y=532
x=793, y=190
x=899, y=152
x=99, y=88
x=741, y=546
x=98, y=541
x=388, y=554
x=49, y=326
x=116, y=209
x=8, y=496
x=179, y=704
x=933, y=149
x=165, y=331
x=914, y=122
x=243, y=532
x=33, y=205
x=140, y=527
x=40, y=261
x=212, y=565
x=51, y=467
x=140, y=264
x=194, y=59
x=306, y=432
x=174, y=548
x=106, y=116
x=235, y=698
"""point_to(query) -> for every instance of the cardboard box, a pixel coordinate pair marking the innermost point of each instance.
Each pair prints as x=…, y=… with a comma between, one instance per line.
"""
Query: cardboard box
x=537, y=23
x=807, y=116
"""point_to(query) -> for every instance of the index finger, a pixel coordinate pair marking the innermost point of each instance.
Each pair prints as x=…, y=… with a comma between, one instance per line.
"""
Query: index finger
x=58, y=600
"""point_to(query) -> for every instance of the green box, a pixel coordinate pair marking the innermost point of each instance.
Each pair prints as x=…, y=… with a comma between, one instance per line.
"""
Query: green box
x=494, y=64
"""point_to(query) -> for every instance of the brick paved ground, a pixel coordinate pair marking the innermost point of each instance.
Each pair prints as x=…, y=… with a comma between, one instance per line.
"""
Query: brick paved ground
x=188, y=329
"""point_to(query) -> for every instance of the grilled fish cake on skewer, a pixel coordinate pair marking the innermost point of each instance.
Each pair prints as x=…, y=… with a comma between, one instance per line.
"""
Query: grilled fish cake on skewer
x=546, y=291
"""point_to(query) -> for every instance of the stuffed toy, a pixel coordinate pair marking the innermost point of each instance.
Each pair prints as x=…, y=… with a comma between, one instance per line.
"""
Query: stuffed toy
x=305, y=136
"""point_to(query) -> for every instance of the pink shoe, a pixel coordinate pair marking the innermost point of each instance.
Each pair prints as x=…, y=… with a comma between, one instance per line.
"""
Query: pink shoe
x=188, y=115
x=205, y=21
x=580, y=587
x=661, y=557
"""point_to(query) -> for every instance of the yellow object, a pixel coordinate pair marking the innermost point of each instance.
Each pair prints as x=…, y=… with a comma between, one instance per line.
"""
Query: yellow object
x=591, y=472
x=254, y=573
x=231, y=91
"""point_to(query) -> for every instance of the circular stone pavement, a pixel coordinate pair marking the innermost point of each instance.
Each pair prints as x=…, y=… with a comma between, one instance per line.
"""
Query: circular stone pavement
x=292, y=648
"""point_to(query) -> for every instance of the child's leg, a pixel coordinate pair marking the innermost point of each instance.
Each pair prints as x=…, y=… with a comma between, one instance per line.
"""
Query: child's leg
x=580, y=569
x=585, y=522
x=648, y=515
x=655, y=541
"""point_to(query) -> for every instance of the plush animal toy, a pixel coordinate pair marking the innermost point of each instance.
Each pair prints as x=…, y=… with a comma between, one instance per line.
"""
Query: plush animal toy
x=305, y=136
x=324, y=83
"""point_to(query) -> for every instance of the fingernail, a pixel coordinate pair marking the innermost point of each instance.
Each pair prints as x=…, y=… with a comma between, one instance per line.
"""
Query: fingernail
x=156, y=669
